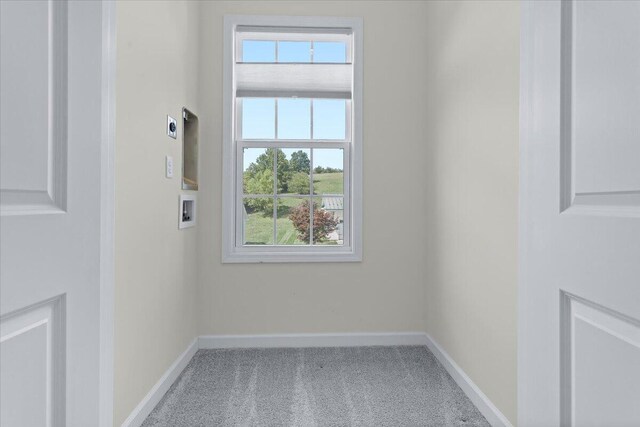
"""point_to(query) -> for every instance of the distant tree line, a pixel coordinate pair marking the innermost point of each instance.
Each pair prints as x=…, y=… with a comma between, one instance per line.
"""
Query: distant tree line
x=320, y=169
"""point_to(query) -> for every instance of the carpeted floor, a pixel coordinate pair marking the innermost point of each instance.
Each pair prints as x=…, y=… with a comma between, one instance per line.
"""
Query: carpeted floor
x=355, y=386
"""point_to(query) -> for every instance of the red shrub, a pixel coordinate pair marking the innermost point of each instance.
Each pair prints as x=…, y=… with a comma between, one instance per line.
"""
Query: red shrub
x=324, y=222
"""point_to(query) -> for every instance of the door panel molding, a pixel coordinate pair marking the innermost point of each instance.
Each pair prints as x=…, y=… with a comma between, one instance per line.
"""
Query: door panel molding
x=17, y=196
x=576, y=312
x=614, y=201
x=41, y=327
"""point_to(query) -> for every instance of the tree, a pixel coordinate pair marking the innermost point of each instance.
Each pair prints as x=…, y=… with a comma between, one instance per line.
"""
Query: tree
x=324, y=222
x=299, y=183
x=300, y=162
x=260, y=182
x=265, y=162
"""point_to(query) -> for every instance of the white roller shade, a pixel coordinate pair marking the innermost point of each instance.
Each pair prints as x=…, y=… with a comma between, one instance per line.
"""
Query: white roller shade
x=302, y=80
x=294, y=34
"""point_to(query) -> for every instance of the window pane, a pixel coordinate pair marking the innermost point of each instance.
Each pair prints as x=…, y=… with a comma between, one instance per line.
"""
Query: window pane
x=293, y=221
x=294, y=52
x=258, y=221
x=333, y=52
x=294, y=118
x=328, y=223
x=257, y=177
x=329, y=118
x=258, y=51
x=258, y=118
x=328, y=177
x=294, y=165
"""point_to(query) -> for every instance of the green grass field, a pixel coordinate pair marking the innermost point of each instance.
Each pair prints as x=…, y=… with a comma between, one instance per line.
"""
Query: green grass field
x=258, y=229
x=287, y=234
x=259, y=226
x=328, y=183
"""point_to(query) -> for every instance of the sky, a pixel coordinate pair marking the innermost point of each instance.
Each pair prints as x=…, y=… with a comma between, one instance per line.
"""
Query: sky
x=294, y=118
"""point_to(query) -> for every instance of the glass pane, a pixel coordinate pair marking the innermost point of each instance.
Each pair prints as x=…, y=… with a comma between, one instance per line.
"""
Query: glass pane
x=294, y=165
x=328, y=222
x=333, y=52
x=258, y=118
x=258, y=51
x=294, y=52
x=258, y=221
x=328, y=177
x=257, y=176
x=293, y=221
x=294, y=118
x=329, y=118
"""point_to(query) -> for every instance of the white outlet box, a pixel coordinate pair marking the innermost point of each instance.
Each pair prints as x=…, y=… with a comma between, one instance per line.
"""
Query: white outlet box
x=169, y=166
x=187, y=214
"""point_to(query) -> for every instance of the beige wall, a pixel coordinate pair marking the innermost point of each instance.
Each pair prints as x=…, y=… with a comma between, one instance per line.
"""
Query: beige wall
x=155, y=262
x=383, y=293
x=472, y=183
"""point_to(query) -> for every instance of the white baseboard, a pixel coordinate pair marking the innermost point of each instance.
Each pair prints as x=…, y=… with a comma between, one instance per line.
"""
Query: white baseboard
x=312, y=340
x=144, y=408
x=482, y=402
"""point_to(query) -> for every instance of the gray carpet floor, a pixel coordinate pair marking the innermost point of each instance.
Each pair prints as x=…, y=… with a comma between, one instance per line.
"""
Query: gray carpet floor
x=355, y=386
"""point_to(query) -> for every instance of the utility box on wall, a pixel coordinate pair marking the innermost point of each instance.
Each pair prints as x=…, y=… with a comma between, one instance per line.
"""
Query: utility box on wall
x=187, y=212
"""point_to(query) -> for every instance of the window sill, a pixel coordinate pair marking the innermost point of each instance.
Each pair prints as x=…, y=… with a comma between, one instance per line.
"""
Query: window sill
x=260, y=257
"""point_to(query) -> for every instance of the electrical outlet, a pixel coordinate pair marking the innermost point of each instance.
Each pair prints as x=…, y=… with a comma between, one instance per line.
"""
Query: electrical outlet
x=172, y=127
x=169, y=166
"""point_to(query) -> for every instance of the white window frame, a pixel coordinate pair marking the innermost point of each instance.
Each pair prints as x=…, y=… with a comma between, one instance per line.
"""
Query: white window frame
x=233, y=251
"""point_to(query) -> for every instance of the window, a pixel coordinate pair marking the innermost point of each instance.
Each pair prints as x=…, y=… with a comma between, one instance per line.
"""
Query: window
x=292, y=139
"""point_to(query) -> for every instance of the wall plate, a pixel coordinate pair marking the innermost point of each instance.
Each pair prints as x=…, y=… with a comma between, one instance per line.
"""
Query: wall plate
x=168, y=166
x=172, y=127
x=187, y=212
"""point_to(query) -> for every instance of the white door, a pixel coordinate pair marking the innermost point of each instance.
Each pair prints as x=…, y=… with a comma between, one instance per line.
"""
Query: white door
x=52, y=180
x=579, y=295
